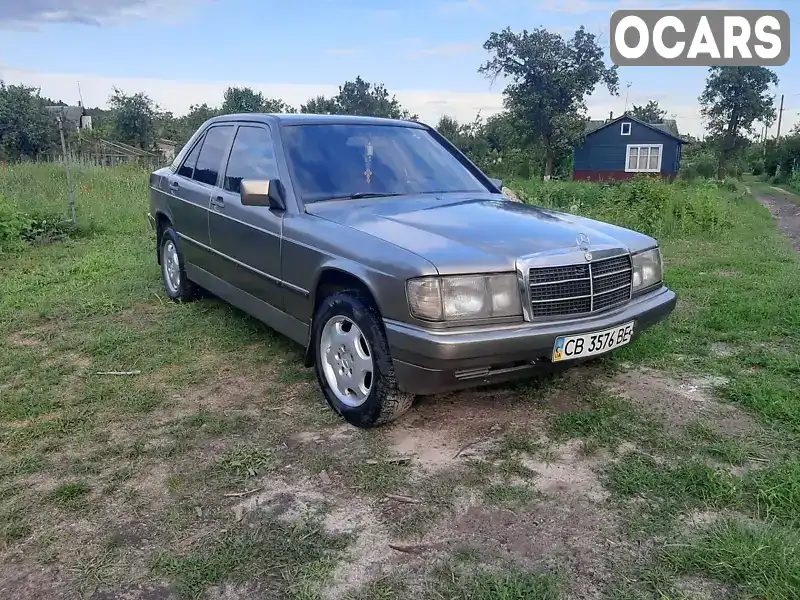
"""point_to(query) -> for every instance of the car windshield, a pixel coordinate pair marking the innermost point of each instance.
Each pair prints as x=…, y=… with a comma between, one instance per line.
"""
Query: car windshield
x=363, y=160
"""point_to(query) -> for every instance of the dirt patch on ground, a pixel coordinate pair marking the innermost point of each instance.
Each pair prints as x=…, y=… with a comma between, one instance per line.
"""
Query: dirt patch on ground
x=442, y=432
x=41, y=333
x=301, y=500
x=568, y=473
x=143, y=314
x=570, y=534
x=786, y=212
x=679, y=402
x=697, y=588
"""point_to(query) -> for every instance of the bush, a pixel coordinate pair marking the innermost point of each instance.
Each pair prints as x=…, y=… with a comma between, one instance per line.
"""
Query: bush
x=13, y=225
x=17, y=228
x=699, y=164
x=645, y=204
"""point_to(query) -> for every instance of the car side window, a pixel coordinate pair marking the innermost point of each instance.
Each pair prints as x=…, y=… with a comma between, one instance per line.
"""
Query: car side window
x=187, y=168
x=252, y=157
x=209, y=161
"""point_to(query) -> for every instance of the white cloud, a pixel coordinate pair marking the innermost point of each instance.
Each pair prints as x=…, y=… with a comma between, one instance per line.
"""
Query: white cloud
x=177, y=96
x=30, y=13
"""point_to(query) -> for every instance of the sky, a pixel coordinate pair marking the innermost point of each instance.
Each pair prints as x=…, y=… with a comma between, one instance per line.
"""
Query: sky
x=426, y=52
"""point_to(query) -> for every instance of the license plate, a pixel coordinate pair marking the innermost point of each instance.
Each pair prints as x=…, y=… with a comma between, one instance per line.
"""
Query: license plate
x=568, y=347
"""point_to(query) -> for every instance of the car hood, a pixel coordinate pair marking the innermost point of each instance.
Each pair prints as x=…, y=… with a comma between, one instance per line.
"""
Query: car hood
x=483, y=233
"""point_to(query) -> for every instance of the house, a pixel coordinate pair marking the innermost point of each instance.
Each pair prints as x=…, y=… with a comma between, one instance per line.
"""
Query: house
x=74, y=117
x=167, y=148
x=617, y=149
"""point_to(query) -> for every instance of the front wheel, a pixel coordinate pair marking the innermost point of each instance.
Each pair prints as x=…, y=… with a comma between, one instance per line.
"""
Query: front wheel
x=352, y=361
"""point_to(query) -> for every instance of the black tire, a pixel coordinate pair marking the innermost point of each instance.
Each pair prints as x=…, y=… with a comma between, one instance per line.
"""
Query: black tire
x=385, y=401
x=186, y=290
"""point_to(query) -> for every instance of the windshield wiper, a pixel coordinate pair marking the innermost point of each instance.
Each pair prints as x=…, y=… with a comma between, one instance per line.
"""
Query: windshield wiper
x=358, y=195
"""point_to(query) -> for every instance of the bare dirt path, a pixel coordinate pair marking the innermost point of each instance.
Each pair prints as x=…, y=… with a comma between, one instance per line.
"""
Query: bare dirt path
x=785, y=208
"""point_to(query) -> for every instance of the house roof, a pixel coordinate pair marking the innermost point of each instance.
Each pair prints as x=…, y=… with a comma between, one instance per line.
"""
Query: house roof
x=668, y=127
x=69, y=113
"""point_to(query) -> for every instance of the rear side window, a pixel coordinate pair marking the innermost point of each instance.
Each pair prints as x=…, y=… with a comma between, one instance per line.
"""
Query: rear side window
x=214, y=147
x=252, y=157
x=187, y=168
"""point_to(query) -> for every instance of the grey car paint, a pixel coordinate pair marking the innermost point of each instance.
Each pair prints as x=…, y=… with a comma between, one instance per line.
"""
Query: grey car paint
x=270, y=263
x=247, y=242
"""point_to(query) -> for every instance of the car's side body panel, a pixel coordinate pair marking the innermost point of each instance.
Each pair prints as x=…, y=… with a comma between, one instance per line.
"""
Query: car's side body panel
x=271, y=262
x=312, y=245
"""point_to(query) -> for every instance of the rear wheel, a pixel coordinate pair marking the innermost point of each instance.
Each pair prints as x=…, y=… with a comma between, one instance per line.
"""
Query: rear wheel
x=353, y=364
x=173, y=273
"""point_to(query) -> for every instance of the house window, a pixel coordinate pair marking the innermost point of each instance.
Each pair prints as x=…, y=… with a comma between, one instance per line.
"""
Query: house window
x=626, y=128
x=644, y=158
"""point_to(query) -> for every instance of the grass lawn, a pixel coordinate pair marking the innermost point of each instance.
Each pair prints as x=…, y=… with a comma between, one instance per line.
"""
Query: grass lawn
x=669, y=470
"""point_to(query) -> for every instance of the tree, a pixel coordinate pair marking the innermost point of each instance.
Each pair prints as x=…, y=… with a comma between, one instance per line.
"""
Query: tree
x=359, y=98
x=449, y=128
x=550, y=78
x=247, y=100
x=733, y=100
x=26, y=128
x=321, y=105
x=649, y=113
x=134, y=119
x=191, y=121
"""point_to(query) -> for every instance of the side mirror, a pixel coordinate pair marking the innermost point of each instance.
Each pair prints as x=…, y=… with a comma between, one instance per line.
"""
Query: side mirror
x=263, y=192
x=498, y=183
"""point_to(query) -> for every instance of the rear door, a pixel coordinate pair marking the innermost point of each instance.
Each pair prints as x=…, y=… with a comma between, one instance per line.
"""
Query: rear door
x=191, y=190
x=247, y=239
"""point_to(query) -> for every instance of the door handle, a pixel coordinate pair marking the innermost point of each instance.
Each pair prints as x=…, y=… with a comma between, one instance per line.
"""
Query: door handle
x=218, y=202
x=173, y=186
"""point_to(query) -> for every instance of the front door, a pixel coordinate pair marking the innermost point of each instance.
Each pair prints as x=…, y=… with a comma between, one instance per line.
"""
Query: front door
x=191, y=190
x=247, y=239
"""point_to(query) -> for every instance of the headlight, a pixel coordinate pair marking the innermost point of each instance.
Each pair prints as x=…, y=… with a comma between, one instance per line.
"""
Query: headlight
x=464, y=297
x=647, y=270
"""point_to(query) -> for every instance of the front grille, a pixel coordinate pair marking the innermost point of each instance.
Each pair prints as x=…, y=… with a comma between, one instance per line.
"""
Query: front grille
x=580, y=289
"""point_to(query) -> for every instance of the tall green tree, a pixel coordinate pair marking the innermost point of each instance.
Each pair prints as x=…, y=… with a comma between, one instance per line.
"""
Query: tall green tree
x=191, y=121
x=649, y=113
x=550, y=78
x=320, y=105
x=359, y=97
x=134, y=118
x=449, y=128
x=26, y=128
x=247, y=100
x=734, y=99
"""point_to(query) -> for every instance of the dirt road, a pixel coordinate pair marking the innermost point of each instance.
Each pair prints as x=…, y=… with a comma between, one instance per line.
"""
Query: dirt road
x=785, y=207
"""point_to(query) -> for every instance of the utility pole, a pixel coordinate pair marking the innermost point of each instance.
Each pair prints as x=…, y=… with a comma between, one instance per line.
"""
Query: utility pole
x=628, y=85
x=780, y=117
x=70, y=191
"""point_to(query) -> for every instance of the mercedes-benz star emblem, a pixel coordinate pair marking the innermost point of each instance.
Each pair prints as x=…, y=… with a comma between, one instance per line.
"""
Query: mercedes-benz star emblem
x=583, y=244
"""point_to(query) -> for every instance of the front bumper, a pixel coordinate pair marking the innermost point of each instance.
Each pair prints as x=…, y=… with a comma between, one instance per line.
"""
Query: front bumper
x=431, y=361
x=152, y=220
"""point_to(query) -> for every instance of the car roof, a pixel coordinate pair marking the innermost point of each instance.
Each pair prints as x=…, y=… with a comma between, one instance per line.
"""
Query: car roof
x=312, y=119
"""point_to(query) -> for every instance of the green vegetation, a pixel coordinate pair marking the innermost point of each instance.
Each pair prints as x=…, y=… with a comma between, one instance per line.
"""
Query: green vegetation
x=762, y=560
x=70, y=495
x=222, y=407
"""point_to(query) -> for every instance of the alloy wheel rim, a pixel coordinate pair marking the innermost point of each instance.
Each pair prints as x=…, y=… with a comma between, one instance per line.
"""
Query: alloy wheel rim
x=346, y=361
x=171, y=266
